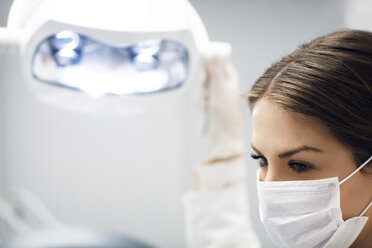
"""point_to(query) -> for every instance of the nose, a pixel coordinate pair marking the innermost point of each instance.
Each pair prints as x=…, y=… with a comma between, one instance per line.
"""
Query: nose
x=269, y=176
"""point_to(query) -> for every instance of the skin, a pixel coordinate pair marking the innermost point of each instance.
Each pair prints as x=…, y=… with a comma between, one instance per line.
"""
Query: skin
x=277, y=131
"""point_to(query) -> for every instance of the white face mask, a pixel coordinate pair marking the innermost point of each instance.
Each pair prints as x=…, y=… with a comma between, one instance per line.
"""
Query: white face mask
x=307, y=213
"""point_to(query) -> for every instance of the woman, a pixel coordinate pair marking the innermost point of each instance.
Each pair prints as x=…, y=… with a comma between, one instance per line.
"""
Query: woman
x=312, y=138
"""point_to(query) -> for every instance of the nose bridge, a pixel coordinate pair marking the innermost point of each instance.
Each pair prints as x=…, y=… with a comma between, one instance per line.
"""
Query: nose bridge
x=274, y=172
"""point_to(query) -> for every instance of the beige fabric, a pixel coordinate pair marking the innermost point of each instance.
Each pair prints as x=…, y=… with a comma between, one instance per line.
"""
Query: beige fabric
x=220, y=91
x=216, y=211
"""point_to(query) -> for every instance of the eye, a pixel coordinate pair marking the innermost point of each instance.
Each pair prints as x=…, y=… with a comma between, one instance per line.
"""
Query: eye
x=300, y=167
x=262, y=160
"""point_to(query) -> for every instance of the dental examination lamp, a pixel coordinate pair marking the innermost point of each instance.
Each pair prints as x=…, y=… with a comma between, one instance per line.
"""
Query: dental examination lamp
x=99, y=117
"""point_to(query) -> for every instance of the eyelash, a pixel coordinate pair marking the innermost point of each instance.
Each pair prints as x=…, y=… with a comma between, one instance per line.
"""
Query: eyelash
x=263, y=161
x=293, y=165
x=299, y=167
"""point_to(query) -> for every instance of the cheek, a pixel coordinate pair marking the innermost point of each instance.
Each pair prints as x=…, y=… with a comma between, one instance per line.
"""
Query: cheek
x=354, y=196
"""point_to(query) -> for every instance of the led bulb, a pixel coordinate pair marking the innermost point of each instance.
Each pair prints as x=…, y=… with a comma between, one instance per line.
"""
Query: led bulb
x=65, y=57
x=150, y=47
x=66, y=40
x=144, y=62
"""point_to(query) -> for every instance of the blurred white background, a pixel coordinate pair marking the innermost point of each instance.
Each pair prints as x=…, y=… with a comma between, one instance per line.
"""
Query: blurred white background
x=261, y=32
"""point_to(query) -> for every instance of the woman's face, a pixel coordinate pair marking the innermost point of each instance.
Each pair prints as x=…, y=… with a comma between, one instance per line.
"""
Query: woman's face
x=289, y=146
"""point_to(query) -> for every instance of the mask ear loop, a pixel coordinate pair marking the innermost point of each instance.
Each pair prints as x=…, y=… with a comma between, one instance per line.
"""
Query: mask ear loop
x=358, y=169
x=365, y=210
x=352, y=174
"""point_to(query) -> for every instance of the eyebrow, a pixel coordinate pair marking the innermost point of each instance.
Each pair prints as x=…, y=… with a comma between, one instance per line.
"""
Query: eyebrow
x=294, y=151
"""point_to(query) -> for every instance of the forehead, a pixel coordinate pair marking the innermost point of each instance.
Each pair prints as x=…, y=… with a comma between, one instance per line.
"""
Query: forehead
x=274, y=128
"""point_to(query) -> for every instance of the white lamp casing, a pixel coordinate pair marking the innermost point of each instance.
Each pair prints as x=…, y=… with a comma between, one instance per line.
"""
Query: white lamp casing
x=120, y=163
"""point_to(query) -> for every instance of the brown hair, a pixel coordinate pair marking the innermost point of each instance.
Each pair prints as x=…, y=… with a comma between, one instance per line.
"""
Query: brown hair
x=329, y=79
